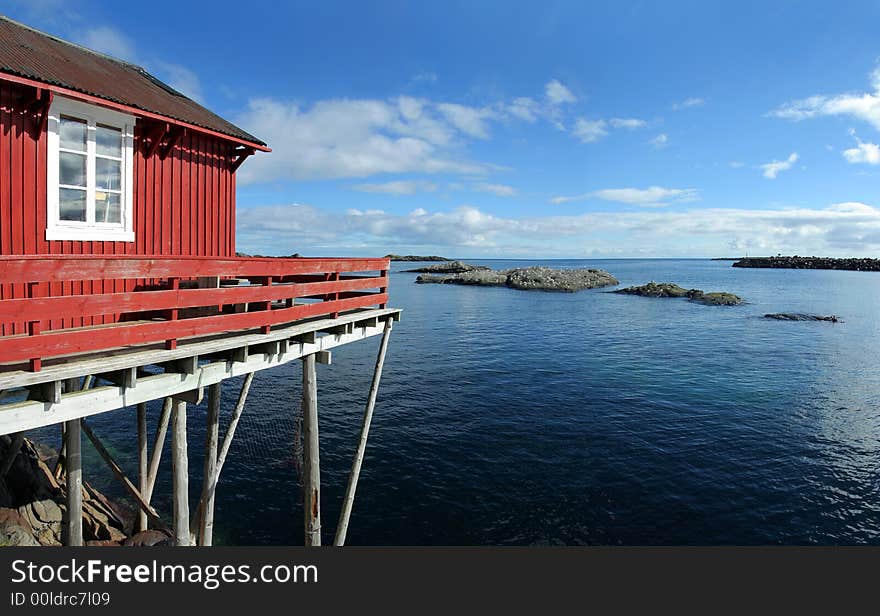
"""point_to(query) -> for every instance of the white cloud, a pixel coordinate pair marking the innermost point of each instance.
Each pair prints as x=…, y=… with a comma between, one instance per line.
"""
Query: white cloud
x=660, y=141
x=652, y=196
x=864, y=106
x=589, y=131
x=468, y=120
x=400, y=187
x=525, y=108
x=840, y=229
x=688, y=102
x=867, y=153
x=557, y=93
x=774, y=168
x=499, y=190
x=354, y=138
x=630, y=123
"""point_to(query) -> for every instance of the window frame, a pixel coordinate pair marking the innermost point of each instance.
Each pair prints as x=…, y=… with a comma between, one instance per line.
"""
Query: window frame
x=90, y=230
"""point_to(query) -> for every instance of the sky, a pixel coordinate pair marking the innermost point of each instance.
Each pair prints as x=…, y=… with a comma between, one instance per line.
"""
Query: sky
x=527, y=130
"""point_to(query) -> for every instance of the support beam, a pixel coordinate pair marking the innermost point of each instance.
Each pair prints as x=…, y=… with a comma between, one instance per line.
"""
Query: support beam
x=209, y=490
x=73, y=464
x=180, y=471
x=212, y=429
x=120, y=475
x=143, y=461
x=351, y=488
x=324, y=357
x=311, y=462
x=158, y=445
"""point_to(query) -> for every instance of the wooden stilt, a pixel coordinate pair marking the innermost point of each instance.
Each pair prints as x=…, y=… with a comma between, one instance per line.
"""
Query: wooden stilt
x=73, y=465
x=180, y=470
x=348, y=499
x=206, y=526
x=311, y=462
x=158, y=445
x=209, y=490
x=143, y=462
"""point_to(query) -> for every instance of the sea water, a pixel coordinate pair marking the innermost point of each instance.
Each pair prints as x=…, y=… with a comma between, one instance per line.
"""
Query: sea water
x=522, y=417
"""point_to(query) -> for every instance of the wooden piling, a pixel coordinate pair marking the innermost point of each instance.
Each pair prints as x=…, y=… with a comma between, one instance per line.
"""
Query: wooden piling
x=209, y=489
x=180, y=469
x=143, y=462
x=73, y=466
x=206, y=510
x=311, y=462
x=351, y=488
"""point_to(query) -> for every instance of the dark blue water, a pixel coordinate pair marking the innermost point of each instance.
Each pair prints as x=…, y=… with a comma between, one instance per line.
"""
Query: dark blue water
x=511, y=417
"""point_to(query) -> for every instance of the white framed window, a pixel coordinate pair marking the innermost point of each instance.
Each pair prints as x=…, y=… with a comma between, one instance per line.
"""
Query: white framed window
x=89, y=174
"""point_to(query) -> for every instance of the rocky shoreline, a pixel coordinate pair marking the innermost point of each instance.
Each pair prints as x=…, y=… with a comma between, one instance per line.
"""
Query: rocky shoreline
x=448, y=267
x=33, y=502
x=797, y=316
x=669, y=289
x=527, y=279
x=796, y=262
x=395, y=257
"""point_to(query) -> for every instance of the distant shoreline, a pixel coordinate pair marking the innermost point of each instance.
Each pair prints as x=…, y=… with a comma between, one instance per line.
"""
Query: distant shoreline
x=824, y=263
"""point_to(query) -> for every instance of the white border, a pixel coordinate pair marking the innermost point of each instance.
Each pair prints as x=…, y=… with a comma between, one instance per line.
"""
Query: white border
x=89, y=231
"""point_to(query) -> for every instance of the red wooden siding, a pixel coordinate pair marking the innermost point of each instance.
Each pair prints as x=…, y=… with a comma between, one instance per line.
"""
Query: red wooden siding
x=184, y=203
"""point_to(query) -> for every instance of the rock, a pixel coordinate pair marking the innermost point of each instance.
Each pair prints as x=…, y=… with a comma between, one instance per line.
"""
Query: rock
x=662, y=289
x=33, y=504
x=394, y=257
x=529, y=279
x=149, y=538
x=796, y=316
x=549, y=279
x=669, y=289
x=13, y=535
x=450, y=267
x=47, y=511
x=483, y=278
x=718, y=299
x=796, y=262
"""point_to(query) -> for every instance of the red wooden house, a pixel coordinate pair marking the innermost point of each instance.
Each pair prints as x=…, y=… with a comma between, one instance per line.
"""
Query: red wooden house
x=112, y=182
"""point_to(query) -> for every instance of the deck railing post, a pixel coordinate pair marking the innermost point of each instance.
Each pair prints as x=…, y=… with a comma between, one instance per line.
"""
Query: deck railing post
x=173, y=285
x=180, y=473
x=73, y=466
x=311, y=457
x=384, y=274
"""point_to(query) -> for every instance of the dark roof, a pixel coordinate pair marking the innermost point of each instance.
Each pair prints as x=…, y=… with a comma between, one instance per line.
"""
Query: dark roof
x=41, y=57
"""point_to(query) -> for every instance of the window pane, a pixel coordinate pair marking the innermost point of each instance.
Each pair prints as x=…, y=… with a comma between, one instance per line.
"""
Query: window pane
x=73, y=169
x=108, y=141
x=108, y=174
x=72, y=204
x=73, y=134
x=107, y=208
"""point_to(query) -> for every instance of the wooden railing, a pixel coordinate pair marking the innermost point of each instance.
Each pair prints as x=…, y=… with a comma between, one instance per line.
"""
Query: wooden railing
x=168, y=298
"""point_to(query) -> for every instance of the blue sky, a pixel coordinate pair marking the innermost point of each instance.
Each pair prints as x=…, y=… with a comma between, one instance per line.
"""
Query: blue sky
x=545, y=129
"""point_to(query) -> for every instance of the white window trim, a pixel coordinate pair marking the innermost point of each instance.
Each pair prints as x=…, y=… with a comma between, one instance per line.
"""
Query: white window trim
x=57, y=229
